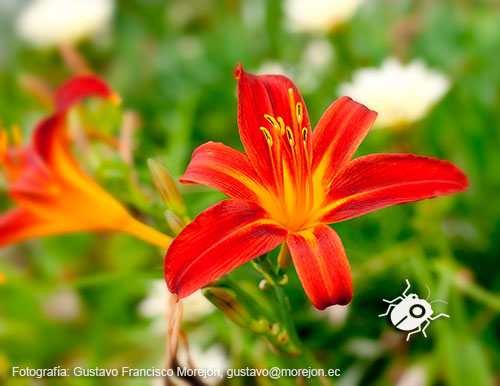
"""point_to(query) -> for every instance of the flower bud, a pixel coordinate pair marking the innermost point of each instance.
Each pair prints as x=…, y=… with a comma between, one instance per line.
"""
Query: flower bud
x=274, y=328
x=228, y=304
x=264, y=285
x=283, y=338
x=284, y=257
x=167, y=189
x=283, y=280
x=174, y=222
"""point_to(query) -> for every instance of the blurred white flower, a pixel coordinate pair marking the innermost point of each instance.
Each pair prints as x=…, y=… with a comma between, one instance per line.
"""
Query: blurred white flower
x=319, y=15
x=414, y=376
x=154, y=306
x=400, y=93
x=336, y=315
x=318, y=54
x=309, y=72
x=316, y=63
x=45, y=23
x=365, y=348
x=271, y=67
x=214, y=357
x=62, y=305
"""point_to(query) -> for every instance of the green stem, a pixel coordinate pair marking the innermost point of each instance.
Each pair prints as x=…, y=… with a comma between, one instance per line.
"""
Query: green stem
x=470, y=288
x=273, y=277
x=264, y=265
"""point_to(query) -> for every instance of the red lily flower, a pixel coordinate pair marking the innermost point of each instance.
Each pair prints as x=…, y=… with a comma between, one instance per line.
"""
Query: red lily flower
x=54, y=195
x=289, y=185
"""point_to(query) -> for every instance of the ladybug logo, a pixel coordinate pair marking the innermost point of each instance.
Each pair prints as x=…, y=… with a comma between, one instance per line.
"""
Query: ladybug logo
x=410, y=313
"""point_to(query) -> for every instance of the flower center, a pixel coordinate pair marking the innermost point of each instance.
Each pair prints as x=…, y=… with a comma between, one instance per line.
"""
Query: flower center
x=292, y=200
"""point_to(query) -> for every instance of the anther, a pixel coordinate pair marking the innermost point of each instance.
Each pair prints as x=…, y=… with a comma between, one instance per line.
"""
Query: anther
x=304, y=134
x=272, y=121
x=269, y=139
x=282, y=125
x=298, y=112
x=289, y=135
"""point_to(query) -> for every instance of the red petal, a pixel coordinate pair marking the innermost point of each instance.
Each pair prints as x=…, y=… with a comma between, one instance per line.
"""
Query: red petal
x=50, y=138
x=321, y=263
x=52, y=144
x=19, y=224
x=270, y=95
x=33, y=178
x=225, y=169
x=75, y=89
x=220, y=239
x=50, y=132
x=338, y=134
x=379, y=180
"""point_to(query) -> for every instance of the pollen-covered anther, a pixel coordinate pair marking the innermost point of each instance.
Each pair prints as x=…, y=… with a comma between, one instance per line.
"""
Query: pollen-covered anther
x=272, y=121
x=299, y=112
x=304, y=134
x=282, y=125
x=289, y=135
x=269, y=139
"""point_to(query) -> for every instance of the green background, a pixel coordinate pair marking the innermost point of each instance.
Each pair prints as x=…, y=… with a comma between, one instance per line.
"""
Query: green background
x=172, y=63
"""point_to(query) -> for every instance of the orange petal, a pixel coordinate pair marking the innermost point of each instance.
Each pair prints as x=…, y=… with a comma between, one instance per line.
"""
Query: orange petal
x=321, y=263
x=51, y=143
x=19, y=224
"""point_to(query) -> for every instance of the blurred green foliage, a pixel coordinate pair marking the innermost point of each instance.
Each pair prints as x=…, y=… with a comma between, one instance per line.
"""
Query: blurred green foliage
x=172, y=63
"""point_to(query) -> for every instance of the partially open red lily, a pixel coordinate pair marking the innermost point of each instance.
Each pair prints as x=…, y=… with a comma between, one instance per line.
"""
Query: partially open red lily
x=53, y=194
x=289, y=185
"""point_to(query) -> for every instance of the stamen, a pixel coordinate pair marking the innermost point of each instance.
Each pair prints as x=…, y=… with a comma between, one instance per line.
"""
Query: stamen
x=282, y=125
x=269, y=139
x=272, y=121
x=293, y=108
x=304, y=134
x=298, y=112
x=289, y=135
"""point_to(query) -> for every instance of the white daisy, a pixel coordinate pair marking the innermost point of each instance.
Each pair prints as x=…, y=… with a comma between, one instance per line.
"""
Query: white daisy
x=45, y=23
x=400, y=93
x=319, y=15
